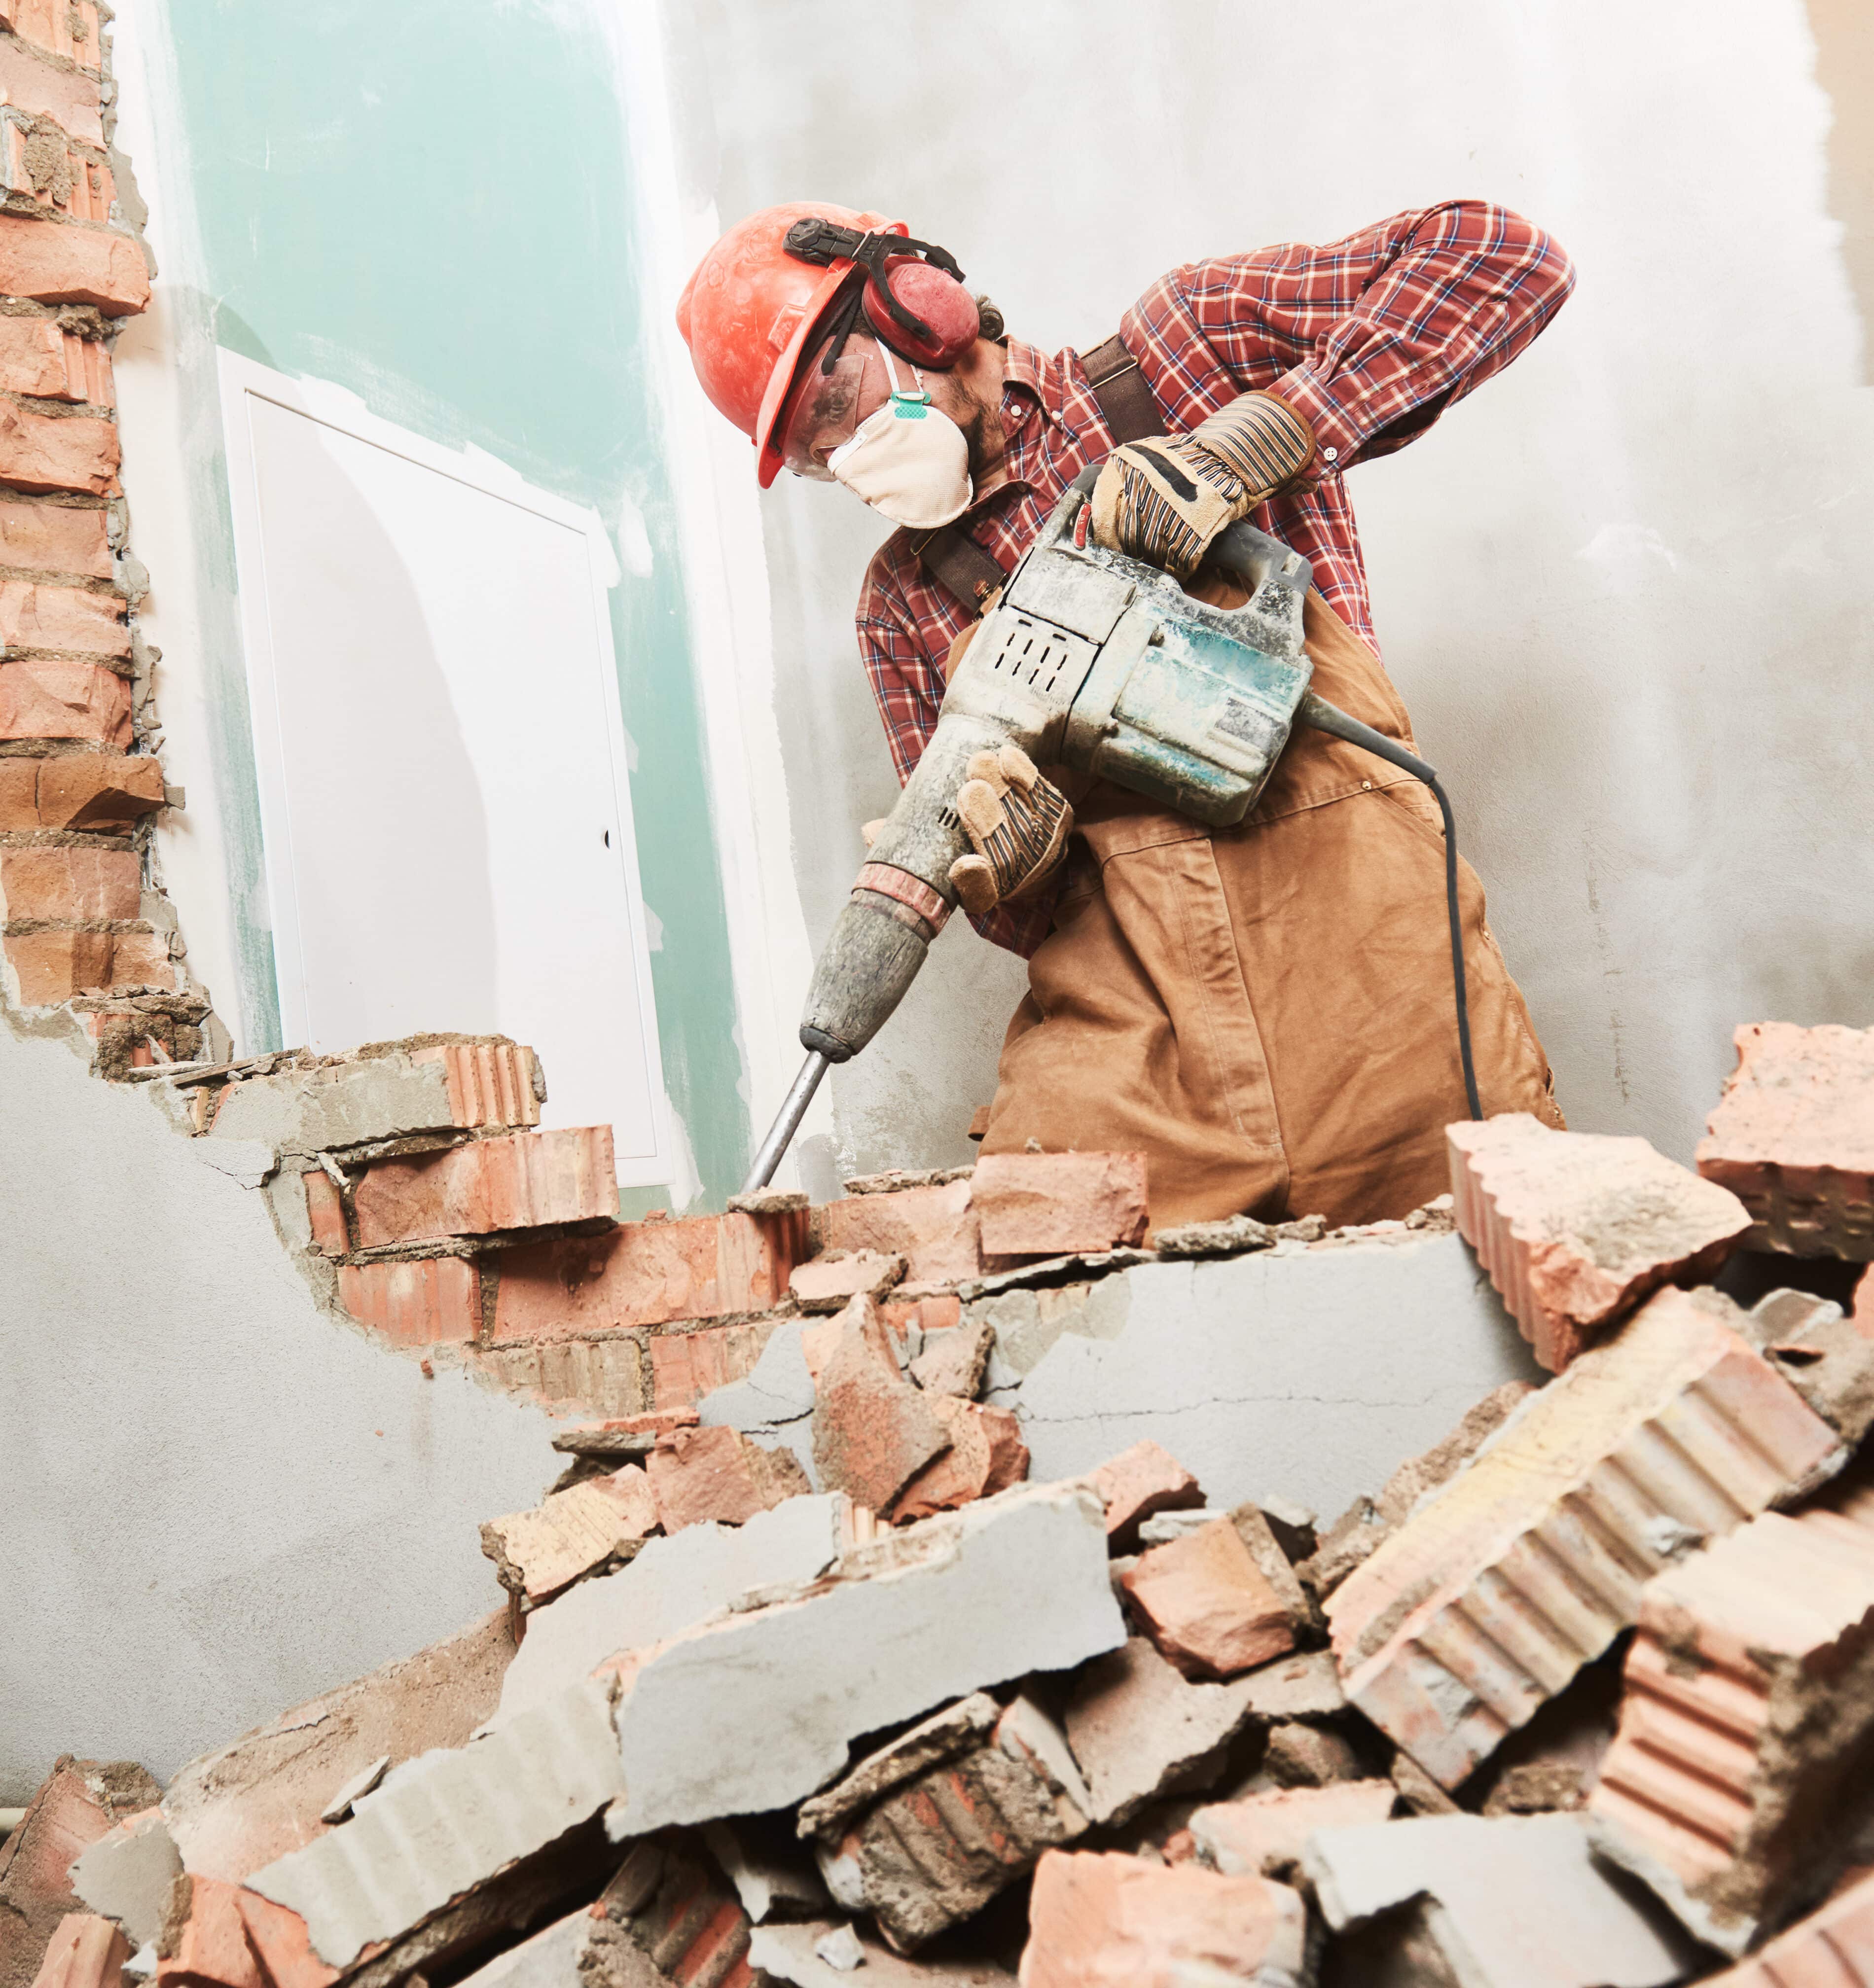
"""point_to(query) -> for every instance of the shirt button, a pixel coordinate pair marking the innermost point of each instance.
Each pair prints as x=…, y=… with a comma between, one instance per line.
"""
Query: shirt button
x=1332, y=454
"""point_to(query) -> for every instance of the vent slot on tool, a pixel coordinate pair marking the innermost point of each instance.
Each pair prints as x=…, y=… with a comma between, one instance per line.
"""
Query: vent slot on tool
x=1038, y=654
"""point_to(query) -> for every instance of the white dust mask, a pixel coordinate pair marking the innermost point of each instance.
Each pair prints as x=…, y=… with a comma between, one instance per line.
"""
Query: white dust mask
x=910, y=461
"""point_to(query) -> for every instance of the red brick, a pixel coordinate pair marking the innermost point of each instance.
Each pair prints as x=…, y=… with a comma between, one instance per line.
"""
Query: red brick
x=28, y=84
x=66, y=28
x=1574, y=1228
x=1793, y=1137
x=282, y=1944
x=827, y=1282
x=79, y=790
x=705, y=1476
x=53, y=966
x=522, y=1183
x=1098, y=1919
x=40, y=165
x=1264, y=1835
x=1833, y=1948
x=987, y=1455
x=78, y=1802
x=934, y=1228
x=583, y=1377
x=538, y=1552
x=1138, y=1483
x=685, y=1366
x=928, y=1315
x=1207, y=1605
x=86, y=1951
x=647, y=1273
x=59, y=262
x=141, y=959
x=1532, y=1559
x=325, y=1209
x=70, y=883
x=38, y=356
x=53, y=538
x=873, y=1430
x=435, y=1300
x=210, y=1948
x=490, y=1084
x=1748, y=1711
x=1054, y=1204
x=58, y=451
x=41, y=699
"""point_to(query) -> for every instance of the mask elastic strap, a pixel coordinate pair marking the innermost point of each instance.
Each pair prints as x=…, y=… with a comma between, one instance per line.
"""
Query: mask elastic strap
x=886, y=353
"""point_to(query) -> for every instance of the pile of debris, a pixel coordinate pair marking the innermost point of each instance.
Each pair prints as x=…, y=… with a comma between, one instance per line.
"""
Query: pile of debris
x=1583, y=1696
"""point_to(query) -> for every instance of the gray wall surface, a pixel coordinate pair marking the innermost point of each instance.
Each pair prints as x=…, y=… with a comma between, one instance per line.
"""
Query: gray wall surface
x=1624, y=588
x=219, y=1501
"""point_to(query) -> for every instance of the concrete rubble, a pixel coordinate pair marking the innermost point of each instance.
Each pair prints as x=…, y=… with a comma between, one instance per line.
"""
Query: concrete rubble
x=956, y=1584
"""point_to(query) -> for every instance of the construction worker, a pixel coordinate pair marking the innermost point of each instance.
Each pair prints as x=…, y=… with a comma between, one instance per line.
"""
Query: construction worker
x=1265, y=1011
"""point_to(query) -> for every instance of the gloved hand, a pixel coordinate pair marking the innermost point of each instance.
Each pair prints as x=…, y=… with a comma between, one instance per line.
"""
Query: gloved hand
x=1164, y=500
x=1019, y=823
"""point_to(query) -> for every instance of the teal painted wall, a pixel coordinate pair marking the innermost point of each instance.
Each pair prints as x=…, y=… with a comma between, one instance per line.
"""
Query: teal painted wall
x=427, y=204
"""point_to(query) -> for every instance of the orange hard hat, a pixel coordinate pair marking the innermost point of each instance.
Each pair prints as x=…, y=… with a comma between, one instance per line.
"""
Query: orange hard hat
x=751, y=309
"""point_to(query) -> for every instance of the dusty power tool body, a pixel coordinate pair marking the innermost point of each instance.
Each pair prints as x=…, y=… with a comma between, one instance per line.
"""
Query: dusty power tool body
x=1102, y=664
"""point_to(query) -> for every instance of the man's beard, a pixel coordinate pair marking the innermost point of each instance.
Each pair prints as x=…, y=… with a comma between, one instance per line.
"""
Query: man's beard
x=975, y=433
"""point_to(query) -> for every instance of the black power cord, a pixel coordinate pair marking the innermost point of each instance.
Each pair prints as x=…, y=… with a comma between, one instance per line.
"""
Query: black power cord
x=1325, y=717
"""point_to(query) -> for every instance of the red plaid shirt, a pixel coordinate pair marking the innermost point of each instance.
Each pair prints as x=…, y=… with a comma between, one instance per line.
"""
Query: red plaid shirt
x=1370, y=340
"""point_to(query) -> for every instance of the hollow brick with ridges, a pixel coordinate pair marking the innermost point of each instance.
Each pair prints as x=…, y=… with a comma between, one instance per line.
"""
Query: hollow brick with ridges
x=1792, y=1136
x=1833, y=1948
x=1747, y=1713
x=527, y=1181
x=39, y=164
x=490, y=1084
x=39, y=358
x=1529, y=1562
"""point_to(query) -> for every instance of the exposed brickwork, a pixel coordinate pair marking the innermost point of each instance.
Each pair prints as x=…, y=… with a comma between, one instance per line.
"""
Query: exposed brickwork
x=91, y=792
x=431, y=1302
x=1053, y=1204
x=67, y=28
x=48, y=452
x=54, y=538
x=685, y=1366
x=70, y=884
x=38, y=357
x=490, y=1084
x=42, y=699
x=39, y=165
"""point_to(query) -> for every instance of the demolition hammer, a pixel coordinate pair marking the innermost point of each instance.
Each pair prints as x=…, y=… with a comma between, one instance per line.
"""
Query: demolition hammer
x=1103, y=664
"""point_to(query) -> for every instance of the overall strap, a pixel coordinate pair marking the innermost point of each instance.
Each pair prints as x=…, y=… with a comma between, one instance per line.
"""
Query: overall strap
x=952, y=559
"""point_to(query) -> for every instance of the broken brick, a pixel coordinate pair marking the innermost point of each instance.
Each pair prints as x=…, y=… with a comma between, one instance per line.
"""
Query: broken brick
x=602, y=1377
x=873, y=1430
x=826, y=1283
x=48, y=452
x=1833, y=1948
x=685, y=1366
x=1745, y=1730
x=1792, y=1136
x=70, y=99
x=67, y=28
x=1100, y=1919
x=489, y=1083
x=70, y=883
x=325, y=1209
x=78, y=1802
x=1300, y=1756
x=935, y=1228
x=1529, y=1562
x=53, y=262
x=54, y=538
x=524, y=1182
x=987, y=1455
x=278, y=1940
x=648, y=1273
x=957, y=1728
x=84, y=1951
x=1057, y=1204
x=430, y=1301
x=1264, y=1835
x=38, y=356
x=204, y=1942
x=1208, y=1605
x=537, y=1553
x=705, y=1476
x=41, y=698
x=683, y=1923
x=33, y=616
x=955, y=1359
x=1574, y=1228
x=105, y=791
x=939, y=1847
x=1138, y=1484
x=51, y=966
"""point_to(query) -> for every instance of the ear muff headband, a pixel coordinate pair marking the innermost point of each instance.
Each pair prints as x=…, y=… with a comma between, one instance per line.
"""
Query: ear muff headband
x=886, y=258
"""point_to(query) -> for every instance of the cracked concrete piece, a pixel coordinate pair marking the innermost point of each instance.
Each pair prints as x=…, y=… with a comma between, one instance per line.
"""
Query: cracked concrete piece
x=538, y=1551
x=775, y=1401
x=756, y=1711
x=505, y=1796
x=1264, y=1835
x=935, y=1851
x=1136, y=1727
x=672, y=1584
x=1514, y=1902
x=126, y=1875
x=338, y=1105
x=792, y=1953
x=1314, y=1373
x=247, y=1161
x=955, y=1361
x=940, y=1737
x=1824, y=1355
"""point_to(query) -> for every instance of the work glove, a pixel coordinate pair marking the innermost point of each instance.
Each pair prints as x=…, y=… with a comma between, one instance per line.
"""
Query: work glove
x=1019, y=822
x=1163, y=500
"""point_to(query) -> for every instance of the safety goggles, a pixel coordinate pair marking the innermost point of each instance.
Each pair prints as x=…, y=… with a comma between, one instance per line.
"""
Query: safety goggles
x=825, y=411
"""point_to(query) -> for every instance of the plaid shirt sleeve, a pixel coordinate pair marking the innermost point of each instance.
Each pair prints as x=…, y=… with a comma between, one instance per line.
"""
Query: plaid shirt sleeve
x=908, y=687
x=1372, y=338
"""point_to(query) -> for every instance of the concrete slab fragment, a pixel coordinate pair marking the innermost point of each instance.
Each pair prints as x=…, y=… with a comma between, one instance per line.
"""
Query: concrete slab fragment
x=1312, y=1374
x=791, y=1953
x=757, y=1710
x=126, y=1876
x=672, y=1584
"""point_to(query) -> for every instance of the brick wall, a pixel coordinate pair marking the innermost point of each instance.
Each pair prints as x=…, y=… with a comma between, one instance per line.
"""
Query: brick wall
x=79, y=780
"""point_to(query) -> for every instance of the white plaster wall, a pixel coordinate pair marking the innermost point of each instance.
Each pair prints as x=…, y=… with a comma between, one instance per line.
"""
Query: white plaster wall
x=1624, y=588
x=219, y=1501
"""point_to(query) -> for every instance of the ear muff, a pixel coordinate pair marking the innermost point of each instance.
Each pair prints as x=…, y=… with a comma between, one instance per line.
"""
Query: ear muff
x=927, y=293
